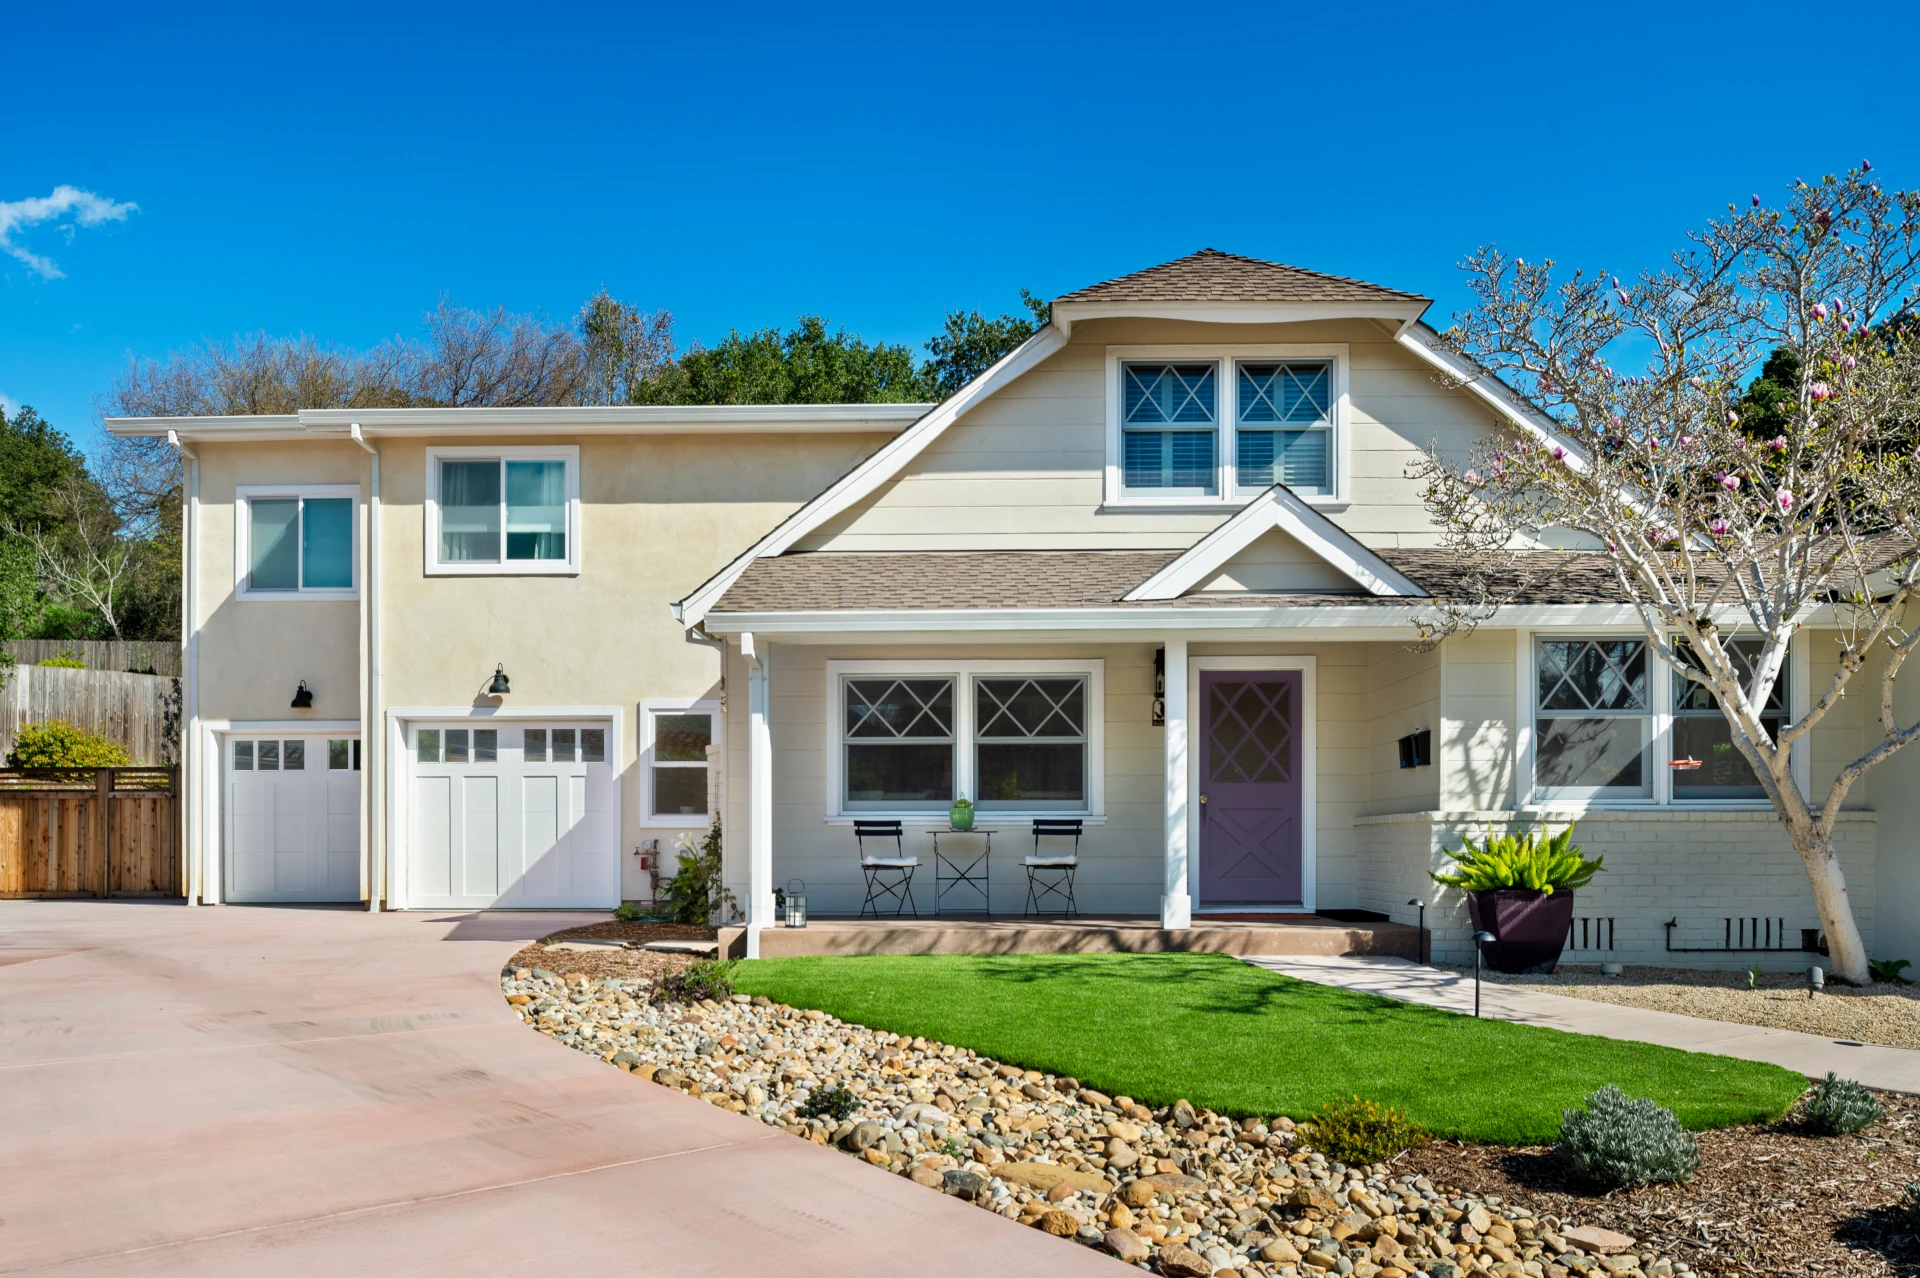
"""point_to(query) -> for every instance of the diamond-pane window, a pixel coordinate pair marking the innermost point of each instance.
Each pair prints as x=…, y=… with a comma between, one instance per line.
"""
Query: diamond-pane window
x=898, y=743
x=1030, y=742
x=1169, y=428
x=1593, y=725
x=1284, y=426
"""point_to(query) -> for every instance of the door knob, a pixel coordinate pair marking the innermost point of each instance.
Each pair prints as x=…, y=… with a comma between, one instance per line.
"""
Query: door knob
x=1203, y=799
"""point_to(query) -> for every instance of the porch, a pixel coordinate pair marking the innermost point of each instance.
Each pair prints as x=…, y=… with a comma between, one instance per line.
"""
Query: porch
x=1287, y=934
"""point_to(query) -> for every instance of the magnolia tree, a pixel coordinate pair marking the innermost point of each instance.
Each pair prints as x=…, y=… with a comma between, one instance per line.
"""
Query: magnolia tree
x=1728, y=534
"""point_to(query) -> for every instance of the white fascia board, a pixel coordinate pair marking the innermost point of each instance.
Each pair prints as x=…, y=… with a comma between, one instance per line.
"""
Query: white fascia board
x=1067, y=314
x=887, y=461
x=1367, y=621
x=1488, y=389
x=238, y=427
x=722, y=419
x=1277, y=508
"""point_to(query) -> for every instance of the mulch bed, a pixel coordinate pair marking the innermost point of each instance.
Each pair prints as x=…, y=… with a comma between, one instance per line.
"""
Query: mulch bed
x=625, y=965
x=1768, y=1199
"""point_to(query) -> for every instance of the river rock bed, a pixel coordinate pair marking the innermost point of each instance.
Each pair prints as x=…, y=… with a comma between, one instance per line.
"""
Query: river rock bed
x=1179, y=1191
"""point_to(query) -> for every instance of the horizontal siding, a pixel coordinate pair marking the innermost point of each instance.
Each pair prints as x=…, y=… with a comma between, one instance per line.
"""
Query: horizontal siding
x=1024, y=469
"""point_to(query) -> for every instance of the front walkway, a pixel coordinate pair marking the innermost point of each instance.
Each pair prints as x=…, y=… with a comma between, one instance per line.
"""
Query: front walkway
x=1892, y=1069
x=243, y=1090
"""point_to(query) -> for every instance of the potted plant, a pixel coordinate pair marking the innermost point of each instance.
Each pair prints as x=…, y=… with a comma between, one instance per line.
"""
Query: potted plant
x=961, y=814
x=1520, y=889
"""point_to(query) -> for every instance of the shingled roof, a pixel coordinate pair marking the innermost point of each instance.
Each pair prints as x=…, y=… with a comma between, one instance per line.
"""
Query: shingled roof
x=912, y=581
x=1213, y=276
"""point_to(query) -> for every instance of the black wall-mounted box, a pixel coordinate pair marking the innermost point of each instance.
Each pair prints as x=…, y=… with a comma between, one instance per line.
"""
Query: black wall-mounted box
x=1416, y=749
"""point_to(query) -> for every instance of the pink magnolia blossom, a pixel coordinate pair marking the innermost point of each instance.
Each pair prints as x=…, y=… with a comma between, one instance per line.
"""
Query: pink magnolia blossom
x=1730, y=482
x=1756, y=201
x=1820, y=310
x=1559, y=453
x=1820, y=391
x=1718, y=527
x=1778, y=443
x=1785, y=499
x=1849, y=363
x=1733, y=418
x=1866, y=166
x=1473, y=477
x=1686, y=440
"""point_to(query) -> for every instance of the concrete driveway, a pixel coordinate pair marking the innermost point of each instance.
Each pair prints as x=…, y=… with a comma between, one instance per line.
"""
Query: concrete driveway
x=321, y=1091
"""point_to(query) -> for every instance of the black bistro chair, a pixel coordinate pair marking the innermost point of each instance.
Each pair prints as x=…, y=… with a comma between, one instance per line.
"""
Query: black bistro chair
x=1051, y=876
x=889, y=878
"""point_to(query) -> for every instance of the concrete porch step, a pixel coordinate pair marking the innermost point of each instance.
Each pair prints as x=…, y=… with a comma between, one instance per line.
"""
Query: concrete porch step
x=1287, y=935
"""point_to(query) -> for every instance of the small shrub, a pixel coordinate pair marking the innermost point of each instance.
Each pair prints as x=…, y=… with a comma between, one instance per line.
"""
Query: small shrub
x=697, y=893
x=836, y=1103
x=1617, y=1141
x=1838, y=1106
x=1358, y=1132
x=627, y=912
x=709, y=978
x=1890, y=971
x=1908, y=1208
x=65, y=661
x=58, y=744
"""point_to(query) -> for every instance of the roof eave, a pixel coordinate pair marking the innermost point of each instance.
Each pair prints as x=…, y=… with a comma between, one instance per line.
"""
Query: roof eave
x=1400, y=313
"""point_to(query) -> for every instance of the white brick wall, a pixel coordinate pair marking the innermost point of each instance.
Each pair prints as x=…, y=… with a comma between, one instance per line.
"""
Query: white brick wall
x=1700, y=867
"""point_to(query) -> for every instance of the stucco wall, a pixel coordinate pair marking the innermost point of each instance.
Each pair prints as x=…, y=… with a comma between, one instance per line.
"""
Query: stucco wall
x=659, y=514
x=1024, y=469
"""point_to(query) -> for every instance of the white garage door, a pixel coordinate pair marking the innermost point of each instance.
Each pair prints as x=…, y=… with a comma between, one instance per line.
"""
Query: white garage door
x=518, y=816
x=293, y=818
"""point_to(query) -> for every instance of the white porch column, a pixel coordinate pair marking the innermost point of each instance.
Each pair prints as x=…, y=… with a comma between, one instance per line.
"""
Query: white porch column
x=759, y=795
x=1176, y=902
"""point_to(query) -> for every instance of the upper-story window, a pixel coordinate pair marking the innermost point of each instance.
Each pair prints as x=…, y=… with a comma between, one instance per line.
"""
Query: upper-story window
x=295, y=543
x=1199, y=426
x=503, y=510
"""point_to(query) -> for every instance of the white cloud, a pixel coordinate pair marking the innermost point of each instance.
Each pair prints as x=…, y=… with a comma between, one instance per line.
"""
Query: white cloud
x=6, y=406
x=69, y=206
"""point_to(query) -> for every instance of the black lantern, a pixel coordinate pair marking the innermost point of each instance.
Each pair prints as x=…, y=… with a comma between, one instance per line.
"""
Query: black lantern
x=303, y=697
x=1160, y=687
x=499, y=687
x=795, y=903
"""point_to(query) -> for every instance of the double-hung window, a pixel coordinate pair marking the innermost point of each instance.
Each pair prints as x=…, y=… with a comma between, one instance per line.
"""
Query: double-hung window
x=296, y=544
x=1215, y=425
x=1170, y=428
x=1030, y=743
x=1593, y=719
x=1701, y=733
x=1014, y=737
x=898, y=743
x=506, y=510
x=674, y=740
x=1283, y=426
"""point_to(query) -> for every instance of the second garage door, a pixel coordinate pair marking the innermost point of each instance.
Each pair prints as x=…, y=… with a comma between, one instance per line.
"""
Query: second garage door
x=514, y=816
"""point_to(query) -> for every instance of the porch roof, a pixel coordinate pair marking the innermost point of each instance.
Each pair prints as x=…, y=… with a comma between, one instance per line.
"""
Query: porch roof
x=913, y=581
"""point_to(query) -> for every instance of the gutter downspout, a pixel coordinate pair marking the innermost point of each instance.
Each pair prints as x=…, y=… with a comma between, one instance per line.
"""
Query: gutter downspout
x=372, y=811
x=190, y=663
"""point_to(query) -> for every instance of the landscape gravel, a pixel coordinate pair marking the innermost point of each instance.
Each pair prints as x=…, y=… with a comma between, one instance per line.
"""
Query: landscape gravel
x=1886, y=1014
x=1178, y=1190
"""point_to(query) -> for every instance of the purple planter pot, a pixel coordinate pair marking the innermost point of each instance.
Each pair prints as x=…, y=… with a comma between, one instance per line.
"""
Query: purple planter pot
x=1529, y=928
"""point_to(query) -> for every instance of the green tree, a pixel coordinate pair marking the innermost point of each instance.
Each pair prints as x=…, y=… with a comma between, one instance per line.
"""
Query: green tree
x=804, y=365
x=35, y=461
x=971, y=343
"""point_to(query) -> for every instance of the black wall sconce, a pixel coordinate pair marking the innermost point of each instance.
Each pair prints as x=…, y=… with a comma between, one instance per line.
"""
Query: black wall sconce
x=1159, y=687
x=499, y=686
x=1416, y=749
x=303, y=697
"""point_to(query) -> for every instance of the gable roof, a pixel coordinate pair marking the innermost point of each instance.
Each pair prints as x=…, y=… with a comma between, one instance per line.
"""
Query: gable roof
x=1277, y=508
x=1213, y=276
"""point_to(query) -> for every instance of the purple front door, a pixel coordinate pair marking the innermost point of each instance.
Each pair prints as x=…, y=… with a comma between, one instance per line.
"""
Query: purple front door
x=1250, y=788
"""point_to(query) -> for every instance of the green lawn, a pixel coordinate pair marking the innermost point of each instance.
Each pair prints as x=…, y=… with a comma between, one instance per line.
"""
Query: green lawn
x=1241, y=1040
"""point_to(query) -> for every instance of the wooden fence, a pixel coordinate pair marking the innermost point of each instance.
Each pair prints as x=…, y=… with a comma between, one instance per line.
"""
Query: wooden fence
x=140, y=712
x=89, y=832
x=134, y=656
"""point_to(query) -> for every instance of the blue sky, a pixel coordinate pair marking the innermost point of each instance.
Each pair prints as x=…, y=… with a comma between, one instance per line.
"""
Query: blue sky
x=333, y=170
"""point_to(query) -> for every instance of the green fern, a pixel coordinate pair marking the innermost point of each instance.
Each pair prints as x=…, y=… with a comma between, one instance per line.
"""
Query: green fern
x=1522, y=861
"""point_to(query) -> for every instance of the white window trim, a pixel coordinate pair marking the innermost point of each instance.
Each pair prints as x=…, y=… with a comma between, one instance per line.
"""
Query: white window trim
x=1226, y=413
x=1092, y=668
x=244, y=496
x=568, y=567
x=1799, y=671
x=709, y=706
